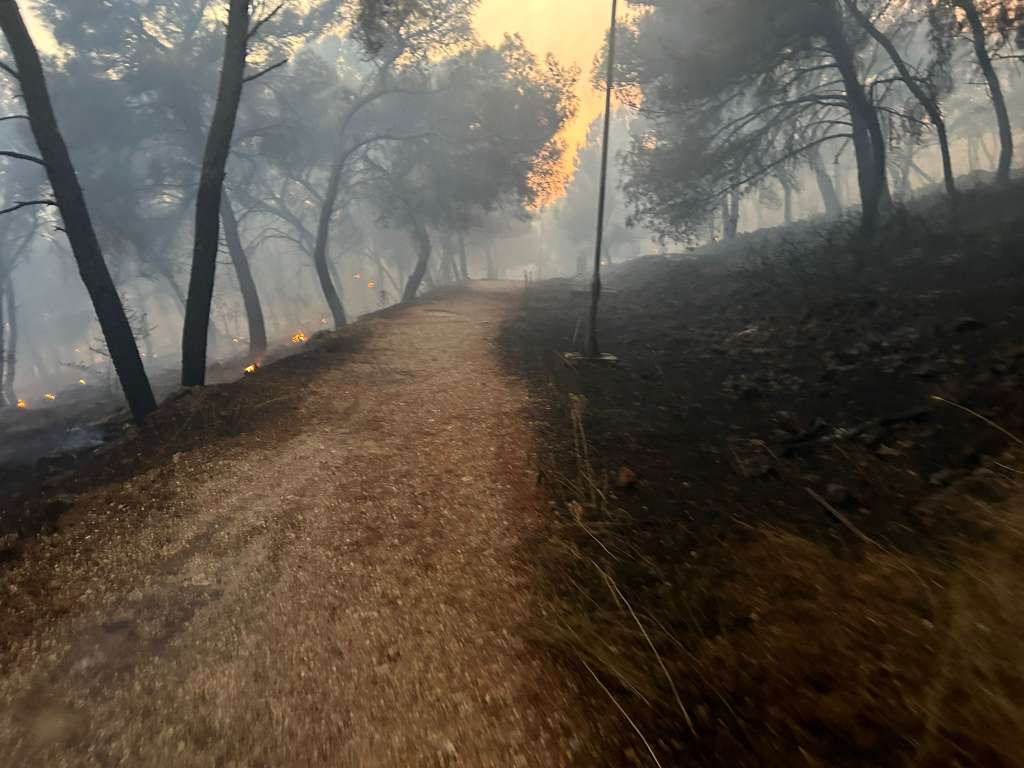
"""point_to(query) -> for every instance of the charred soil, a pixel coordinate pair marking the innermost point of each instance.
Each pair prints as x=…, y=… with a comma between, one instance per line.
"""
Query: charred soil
x=784, y=538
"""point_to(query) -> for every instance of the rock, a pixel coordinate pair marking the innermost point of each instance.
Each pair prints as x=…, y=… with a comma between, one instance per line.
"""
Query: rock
x=837, y=494
x=625, y=478
x=928, y=370
x=871, y=436
x=8, y=544
x=965, y=324
x=986, y=489
x=940, y=478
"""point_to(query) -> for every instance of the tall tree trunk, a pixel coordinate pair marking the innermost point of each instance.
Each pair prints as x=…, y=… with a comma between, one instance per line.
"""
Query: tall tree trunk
x=4, y=399
x=730, y=215
x=787, y=203
x=972, y=154
x=117, y=331
x=927, y=100
x=421, y=239
x=208, y=208
x=868, y=141
x=10, y=368
x=323, y=233
x=829, y=196
x=463, y=260
x=246, y=284
x=906, y=165
x=995, y=89
x=839, y=183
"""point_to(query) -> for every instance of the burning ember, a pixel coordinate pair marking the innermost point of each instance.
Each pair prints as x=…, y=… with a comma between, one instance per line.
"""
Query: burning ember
x=299, y=338
x=251, y=369
x=49, y=396
x=371, y=285
x=83, y=382
x=22, y=404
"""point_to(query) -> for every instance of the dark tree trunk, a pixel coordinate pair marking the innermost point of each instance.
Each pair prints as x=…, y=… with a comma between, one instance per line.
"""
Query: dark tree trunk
x=463, y=260
x=730, y=215
x=839, y=183
x=906, y=165
x=10, y=353
x=927, y=100
x=211, y=183
x=829, y=196
x=246, y=284
x=117, y=331
x=421, y=239
x=323, y=233
x=995, y=90
x=868, y=141
x=4, y=399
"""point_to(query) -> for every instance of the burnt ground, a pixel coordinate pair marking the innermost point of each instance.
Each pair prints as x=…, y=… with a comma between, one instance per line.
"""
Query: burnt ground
x=778, y=547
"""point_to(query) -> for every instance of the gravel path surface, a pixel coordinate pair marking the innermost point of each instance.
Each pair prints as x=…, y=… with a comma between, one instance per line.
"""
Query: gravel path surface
x=354, y=591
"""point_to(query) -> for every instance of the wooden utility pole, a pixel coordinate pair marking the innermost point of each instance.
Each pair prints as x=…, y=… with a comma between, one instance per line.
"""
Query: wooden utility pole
x=593, y=348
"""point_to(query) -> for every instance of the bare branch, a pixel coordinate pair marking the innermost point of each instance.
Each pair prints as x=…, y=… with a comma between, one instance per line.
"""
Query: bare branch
x=262, y=72
x=26, y=204
x=256, y=27
x=10, y=70
x=23, y=156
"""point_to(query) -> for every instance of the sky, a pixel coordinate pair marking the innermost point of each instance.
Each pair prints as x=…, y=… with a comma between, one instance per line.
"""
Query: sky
x=573, y=30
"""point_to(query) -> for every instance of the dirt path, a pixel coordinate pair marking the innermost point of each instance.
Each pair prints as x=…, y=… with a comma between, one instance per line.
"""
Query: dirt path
x=351, y=593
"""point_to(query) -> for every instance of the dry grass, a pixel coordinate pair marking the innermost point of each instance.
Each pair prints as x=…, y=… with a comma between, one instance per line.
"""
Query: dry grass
x=767, y=648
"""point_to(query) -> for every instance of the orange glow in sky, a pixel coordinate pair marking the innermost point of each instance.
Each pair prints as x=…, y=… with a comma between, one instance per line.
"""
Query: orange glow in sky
x=573, y=30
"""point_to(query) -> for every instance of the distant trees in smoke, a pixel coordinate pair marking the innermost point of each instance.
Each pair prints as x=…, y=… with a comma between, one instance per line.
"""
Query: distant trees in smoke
x=231, y=126
x=741, y=95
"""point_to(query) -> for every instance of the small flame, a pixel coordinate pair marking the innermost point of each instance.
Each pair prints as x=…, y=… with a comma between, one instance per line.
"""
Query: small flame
x=22, y=404
x=299, y=338
x=83, y=382
x=251, y=369
x=50, y=396
x=371, y=285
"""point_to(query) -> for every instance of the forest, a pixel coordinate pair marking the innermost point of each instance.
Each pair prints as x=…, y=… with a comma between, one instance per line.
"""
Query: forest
x=379, y=387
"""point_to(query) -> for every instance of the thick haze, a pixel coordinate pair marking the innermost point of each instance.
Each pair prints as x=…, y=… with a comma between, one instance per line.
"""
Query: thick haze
x=493, y=173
